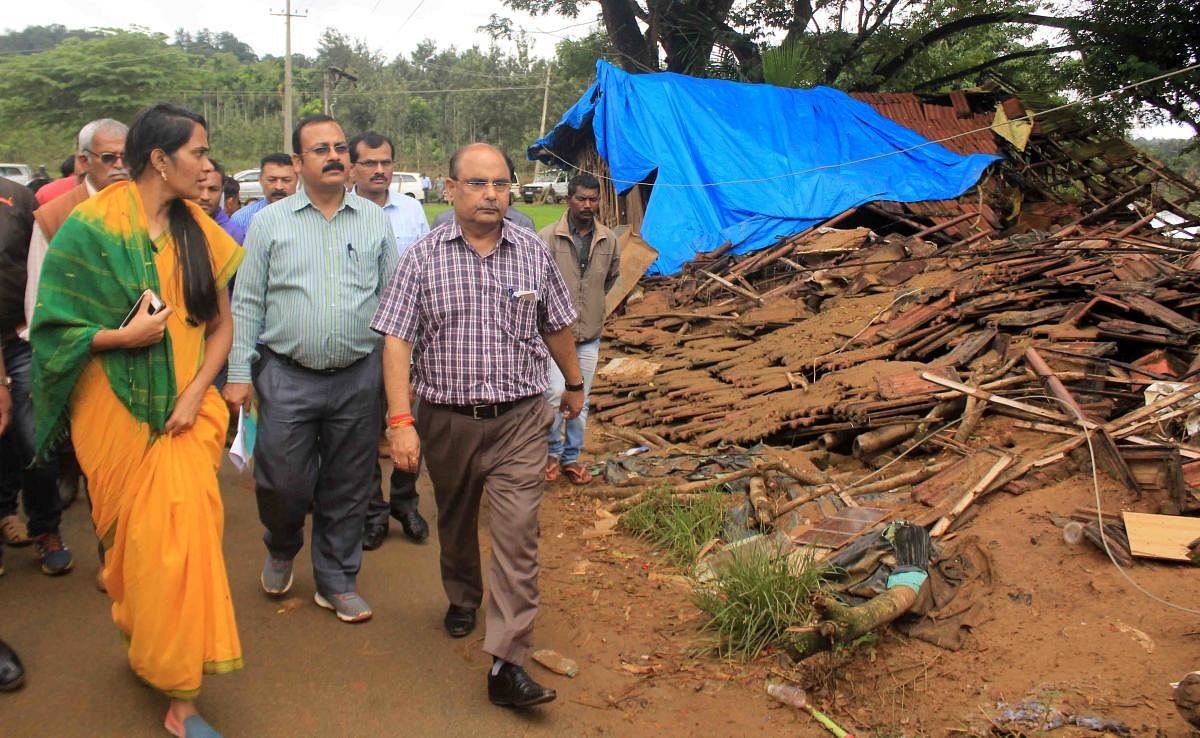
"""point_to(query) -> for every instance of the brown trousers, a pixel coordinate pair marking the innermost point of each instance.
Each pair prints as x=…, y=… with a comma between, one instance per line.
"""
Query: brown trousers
x=505, y=458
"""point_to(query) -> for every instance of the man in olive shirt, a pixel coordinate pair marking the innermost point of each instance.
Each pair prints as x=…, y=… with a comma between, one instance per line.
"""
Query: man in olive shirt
x=316, y=262
x=590, y=261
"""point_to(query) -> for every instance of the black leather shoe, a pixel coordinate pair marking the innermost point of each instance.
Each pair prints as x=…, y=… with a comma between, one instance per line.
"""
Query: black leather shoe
x=415, y=527
x=512, y=687
x=373, y=535
x=12, y=674
x=460, y=621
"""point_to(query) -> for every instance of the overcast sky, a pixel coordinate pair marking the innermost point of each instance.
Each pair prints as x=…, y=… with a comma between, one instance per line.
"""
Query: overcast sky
x=391, y=26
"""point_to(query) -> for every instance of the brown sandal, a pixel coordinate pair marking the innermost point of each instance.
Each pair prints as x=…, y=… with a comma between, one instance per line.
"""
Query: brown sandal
x=576, y=473
x=552, y=469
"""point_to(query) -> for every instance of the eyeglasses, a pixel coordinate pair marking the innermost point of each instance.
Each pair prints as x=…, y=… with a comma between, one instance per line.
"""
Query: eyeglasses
x=374, y=163
x=108, y=157
x=480, y=184
x=323, y=150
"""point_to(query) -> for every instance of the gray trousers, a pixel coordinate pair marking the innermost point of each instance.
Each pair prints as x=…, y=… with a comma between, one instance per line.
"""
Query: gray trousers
x=317, y=436
x=504, y=458
x=402, y=486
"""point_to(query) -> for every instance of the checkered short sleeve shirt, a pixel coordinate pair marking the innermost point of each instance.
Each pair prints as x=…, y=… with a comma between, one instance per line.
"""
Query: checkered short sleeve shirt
x=475, y=322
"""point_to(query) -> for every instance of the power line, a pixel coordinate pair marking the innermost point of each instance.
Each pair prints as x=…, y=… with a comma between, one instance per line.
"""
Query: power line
x=357, y=93
x=823, y=167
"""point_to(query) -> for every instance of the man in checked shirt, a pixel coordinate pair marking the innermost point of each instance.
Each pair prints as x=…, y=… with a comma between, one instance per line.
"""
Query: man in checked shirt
x=479, y=307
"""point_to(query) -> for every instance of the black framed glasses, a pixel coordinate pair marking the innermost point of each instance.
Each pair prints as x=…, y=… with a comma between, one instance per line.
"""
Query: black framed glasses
x=108, y=157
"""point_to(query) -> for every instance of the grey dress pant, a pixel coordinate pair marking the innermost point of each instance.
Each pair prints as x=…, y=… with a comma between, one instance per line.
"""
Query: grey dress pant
x=316, y=444
x=403, y=488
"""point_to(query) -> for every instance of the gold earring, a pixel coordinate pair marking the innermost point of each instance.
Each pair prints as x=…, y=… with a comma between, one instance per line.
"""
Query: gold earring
x=163, y=172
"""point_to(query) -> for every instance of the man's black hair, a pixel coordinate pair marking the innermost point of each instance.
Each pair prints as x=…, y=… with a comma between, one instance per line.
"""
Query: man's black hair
x=217, y=166
x=280, y=158
x=230, y=187
x=68, y=166
x=372, y=140
x=585, y=180
x=310, y=120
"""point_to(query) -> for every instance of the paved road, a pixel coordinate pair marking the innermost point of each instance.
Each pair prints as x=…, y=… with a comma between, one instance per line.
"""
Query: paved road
x=306, y=673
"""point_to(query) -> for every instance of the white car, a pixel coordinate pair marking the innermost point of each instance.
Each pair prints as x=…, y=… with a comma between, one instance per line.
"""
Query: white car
x=408, y=183
x=19, y=173
x=247, y=179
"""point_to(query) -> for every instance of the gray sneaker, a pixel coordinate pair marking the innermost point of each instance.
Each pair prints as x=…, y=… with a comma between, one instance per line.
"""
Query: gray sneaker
x=348, y=606
x=276, y=576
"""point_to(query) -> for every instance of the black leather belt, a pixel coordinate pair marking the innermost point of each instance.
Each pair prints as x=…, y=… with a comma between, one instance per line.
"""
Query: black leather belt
x=486, y=412
x=293, y=363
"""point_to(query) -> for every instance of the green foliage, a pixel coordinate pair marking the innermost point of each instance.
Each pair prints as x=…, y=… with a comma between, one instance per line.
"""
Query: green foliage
x=1180, y=154
x=680, y=527
x=756, y=596
x=1135, y=40
x=53, y=80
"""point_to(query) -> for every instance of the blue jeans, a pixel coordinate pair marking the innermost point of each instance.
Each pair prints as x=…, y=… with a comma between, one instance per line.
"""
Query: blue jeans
x=39, y=485
x=567, y=451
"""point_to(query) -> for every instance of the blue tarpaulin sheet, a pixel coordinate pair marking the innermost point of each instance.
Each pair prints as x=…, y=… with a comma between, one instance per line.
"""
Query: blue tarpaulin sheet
x=751, y=163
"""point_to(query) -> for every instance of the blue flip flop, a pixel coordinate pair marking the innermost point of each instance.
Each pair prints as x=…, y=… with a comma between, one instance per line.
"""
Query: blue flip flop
x=193, y=727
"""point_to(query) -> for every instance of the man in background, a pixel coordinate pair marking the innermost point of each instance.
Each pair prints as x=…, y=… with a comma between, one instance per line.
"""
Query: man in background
x=211, y=196
x=277, y=175
x=51, y=190
x=590, y=261
x=372, y=163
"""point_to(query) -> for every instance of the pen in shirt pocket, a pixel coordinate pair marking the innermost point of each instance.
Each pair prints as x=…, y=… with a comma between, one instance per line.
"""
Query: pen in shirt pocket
x=351, y=253
x=517, y=294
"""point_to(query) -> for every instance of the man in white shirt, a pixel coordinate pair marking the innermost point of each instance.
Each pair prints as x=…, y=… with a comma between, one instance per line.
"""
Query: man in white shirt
x=371, y=164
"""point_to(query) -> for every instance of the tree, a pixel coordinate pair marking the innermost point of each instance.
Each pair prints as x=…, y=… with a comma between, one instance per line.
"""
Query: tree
x=112, y=75
x=1133, y=40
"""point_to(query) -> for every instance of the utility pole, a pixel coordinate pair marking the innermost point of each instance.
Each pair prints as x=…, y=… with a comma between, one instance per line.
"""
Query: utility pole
x=287, y=76
x=537, y=163
x=331, y=77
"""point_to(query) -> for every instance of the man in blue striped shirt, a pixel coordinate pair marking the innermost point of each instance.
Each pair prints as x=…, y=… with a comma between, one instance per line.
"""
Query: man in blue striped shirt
x=316, y=263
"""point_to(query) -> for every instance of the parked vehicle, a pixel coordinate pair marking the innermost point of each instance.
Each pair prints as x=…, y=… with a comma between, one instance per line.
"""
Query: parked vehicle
x=554, y=181
x=251, y=189
x=19, y=173
x=408, y=183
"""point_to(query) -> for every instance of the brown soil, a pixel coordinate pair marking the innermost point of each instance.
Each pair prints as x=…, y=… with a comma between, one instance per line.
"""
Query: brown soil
x=1065, y=628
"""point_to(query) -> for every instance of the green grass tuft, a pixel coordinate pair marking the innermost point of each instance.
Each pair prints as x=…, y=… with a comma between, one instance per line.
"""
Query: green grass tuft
x=542, y=215
x=681, y=528
x=755, y=597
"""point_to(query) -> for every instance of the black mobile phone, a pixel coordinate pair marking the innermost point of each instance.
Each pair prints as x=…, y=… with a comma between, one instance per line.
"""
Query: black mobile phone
x=156, y=304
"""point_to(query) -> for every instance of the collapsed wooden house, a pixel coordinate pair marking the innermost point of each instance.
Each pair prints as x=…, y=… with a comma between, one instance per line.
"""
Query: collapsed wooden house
x=1052, y=292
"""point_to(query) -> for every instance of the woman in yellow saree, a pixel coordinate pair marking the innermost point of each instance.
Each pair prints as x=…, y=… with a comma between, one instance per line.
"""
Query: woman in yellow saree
x=136, y=392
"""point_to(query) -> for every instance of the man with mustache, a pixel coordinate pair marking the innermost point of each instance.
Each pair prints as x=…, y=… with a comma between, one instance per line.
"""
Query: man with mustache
x=277, y=175
x=479, y=308
x=100, y=159
x=212, y=193
x=590, y=261
x=372, y=163
x=315, y=264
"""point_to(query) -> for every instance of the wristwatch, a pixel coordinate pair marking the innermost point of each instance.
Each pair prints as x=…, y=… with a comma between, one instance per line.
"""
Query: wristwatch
x=7, y=382
x=575, y=387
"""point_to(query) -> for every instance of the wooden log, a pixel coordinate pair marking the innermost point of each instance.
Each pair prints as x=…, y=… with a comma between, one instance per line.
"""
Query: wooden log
x=963, y=502
x=872, y=442
x=972, y=414
x=760, y=501
x=897, y=481
x=1108, y=456
x=841, y=624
